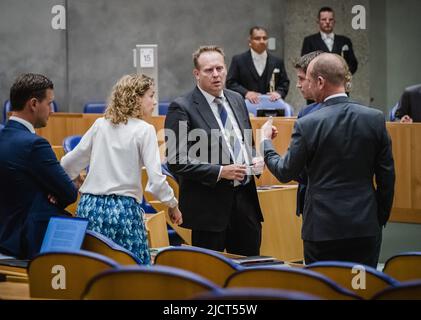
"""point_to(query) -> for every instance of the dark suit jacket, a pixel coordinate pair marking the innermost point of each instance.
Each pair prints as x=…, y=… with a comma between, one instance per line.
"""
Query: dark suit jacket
x=315, y=42
x=206, y=203
x=29, y=171
x=410, y=103
x=341, y=146
x=243, y=76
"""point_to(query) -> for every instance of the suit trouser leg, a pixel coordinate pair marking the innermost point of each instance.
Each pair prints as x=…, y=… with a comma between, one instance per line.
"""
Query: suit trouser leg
x=364, y=250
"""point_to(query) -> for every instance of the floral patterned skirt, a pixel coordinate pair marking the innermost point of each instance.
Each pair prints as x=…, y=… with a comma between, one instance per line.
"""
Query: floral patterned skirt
x=120, y=219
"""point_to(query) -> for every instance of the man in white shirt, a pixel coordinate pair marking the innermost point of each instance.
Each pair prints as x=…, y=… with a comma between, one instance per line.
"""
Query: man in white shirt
x=326, y=40
x=210, y=150
x=256, y=72
x=342, y=146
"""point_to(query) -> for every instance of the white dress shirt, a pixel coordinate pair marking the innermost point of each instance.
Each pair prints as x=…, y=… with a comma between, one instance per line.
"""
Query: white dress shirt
x=328, y=39
x=115, y=155
x=336, y=96
x=259, y=61
x=24, y=122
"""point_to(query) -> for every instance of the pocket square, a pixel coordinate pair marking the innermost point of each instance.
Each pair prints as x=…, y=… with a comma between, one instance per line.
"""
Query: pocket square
x=345, y=48
x=276, y=70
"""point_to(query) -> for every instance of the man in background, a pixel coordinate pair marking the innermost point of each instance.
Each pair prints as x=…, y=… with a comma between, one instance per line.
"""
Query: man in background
x=341, y=147
x=34, y=187
x=409, y=107
x=256, y=71
x=327, y=41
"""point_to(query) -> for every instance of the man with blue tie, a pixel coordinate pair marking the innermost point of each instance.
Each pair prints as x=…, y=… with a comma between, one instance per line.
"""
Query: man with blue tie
x=33, y=185
x=210, y=150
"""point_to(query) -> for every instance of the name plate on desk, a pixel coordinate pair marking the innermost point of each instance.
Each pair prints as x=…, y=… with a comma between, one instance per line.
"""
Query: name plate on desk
x=254, y=261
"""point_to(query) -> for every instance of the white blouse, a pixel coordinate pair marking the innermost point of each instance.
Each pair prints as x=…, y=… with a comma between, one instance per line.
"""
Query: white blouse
x=115, y=155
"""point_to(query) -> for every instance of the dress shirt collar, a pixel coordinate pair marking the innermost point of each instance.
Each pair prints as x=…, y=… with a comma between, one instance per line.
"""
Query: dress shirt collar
x=259, y=57
x=210, y=98
x=327, y=35
x=27, y=124
x=335, y=96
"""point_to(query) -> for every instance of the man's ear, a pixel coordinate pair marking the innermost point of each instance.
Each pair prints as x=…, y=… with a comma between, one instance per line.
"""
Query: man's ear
x=196, y=73
x=321, y=82
x=32, y=103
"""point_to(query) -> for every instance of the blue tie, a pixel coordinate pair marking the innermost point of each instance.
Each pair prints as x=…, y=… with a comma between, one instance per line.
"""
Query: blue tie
x=234, y=142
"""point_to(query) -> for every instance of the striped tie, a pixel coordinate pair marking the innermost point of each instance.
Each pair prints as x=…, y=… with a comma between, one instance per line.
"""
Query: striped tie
x=234, y=142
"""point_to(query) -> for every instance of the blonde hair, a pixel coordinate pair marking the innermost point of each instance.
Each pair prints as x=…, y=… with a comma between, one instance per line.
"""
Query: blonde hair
x=123, y=102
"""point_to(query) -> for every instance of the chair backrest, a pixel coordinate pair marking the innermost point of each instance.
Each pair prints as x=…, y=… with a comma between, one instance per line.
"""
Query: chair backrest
x=142, y=282
x=64, y=275
x=94, y=107
x=265, y=103
x=410, y=290
x=392, y=112
x=254, y=294
x=404, y=266
x=7, y=106
x=163, y=107
x=208, y=264
x=156, y=226
x=364, y=281
x=1, y=126
x=98, y=243
x=70, y=142
x=287, y=278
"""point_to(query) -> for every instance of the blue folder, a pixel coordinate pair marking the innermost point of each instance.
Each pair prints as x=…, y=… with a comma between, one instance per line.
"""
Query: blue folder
x=64, y=234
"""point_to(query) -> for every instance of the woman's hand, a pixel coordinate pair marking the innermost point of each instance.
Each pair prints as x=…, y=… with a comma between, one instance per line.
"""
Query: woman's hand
x=175, y=215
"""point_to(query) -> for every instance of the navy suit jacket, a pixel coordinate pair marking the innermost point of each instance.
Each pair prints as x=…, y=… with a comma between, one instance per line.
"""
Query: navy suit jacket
x=341, y=146
x=242, y=75
x=315, y=42
x=29, y=172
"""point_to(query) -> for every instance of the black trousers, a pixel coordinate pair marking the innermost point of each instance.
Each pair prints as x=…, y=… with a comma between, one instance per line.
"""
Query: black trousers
x=359, y=250
x=243, y=234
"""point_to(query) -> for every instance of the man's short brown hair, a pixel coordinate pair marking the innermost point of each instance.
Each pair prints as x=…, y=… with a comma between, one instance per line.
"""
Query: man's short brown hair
x=202, y=49
x=303, y=62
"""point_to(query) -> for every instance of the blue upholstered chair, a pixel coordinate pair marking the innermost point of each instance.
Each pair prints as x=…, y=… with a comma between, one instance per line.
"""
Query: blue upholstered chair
x=254, y=294
x=72, y=270
x=94, y=107
x=342, y=273
x=392, y=112
x=147, y=283
x=405, y=266
x=209, y=264
x=163, y=107
x=1, y=126
x=409, y=290
x=288, y=278
x=70, y=142
x=7, y=108
x=98, y=243
x=266, y=104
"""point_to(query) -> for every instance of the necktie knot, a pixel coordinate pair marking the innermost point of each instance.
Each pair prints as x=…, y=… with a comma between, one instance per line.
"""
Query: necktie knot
x=218, y=101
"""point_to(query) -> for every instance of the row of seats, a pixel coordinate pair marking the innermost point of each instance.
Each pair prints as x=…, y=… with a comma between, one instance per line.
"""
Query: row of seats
x=187, y=272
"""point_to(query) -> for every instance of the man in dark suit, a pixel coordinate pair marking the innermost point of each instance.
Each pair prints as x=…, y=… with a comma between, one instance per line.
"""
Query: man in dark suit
x=341, y=146
x=210, y=149
x=325, y=40
x=33, y=185
x=409, y=108
x=257, y=72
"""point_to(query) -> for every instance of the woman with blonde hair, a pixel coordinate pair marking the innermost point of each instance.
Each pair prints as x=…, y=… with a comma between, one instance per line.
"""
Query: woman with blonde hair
x=116, y=148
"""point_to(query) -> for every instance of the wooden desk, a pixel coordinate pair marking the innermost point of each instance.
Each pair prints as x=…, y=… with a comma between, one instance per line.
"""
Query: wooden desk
x=14, y=291
x=405, y=142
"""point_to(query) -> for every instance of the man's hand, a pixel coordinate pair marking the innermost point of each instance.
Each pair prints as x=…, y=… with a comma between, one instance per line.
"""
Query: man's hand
x=233, y=172
x=258, y=165
x=175, y=215
x=79, y=181
x=406, y=119
x=273, y=96
x=253, y=96
x=269, y=131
